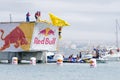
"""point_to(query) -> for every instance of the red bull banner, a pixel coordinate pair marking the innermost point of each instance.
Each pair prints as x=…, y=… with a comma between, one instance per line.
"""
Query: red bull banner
x=15, y=37
x=45, y=37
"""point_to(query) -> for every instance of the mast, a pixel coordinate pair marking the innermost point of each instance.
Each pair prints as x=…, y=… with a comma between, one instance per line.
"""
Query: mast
x=117, y=41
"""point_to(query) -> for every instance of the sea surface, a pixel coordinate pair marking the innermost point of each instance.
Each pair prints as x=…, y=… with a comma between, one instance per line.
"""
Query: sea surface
x=66, y=71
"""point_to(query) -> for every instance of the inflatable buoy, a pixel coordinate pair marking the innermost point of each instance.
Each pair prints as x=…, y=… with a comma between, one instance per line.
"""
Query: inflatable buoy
x=14, y=60
x=58, y=58
x=59, y=61
x=33, y=61
x=93, y=63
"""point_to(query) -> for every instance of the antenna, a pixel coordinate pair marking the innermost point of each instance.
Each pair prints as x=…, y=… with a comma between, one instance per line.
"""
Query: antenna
x=10, y=18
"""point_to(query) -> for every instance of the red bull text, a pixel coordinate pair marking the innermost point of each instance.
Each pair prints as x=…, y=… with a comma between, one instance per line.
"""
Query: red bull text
x=46, y=41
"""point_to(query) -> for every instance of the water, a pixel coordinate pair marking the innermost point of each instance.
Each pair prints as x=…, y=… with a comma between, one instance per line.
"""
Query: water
x=67, y=71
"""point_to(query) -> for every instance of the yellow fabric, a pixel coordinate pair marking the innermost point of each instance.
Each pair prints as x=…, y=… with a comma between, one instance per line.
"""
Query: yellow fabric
x=27, y=28
x=57, y=21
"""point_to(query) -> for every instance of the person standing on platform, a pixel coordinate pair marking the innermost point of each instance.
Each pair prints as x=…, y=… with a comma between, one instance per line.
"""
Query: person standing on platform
x=37, y=15
x=27, y=17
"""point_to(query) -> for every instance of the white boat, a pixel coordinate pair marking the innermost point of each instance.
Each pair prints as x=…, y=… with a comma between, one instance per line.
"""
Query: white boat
x=112, y=57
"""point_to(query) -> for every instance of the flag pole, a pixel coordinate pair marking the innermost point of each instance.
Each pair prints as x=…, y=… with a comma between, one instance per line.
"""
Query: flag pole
x=10, y=18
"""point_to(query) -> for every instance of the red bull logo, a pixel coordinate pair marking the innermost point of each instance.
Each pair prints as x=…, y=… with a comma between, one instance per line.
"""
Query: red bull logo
x=16, y=37
x=45, y=40
x=47, y=32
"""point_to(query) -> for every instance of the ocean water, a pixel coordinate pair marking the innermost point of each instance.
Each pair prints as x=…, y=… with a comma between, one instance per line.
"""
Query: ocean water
x=67, y=71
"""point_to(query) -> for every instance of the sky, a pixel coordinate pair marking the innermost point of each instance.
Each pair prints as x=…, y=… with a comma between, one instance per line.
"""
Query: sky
x=89, y=19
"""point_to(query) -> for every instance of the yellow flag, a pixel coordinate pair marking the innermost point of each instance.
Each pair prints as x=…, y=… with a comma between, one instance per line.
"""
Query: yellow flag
x=57, y=21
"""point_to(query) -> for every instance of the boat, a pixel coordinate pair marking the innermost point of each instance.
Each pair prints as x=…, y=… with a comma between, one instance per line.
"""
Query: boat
x=112, y=57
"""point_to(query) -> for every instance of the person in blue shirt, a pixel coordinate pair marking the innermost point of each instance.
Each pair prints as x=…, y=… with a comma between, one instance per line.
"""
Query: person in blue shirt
x=27, y=17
